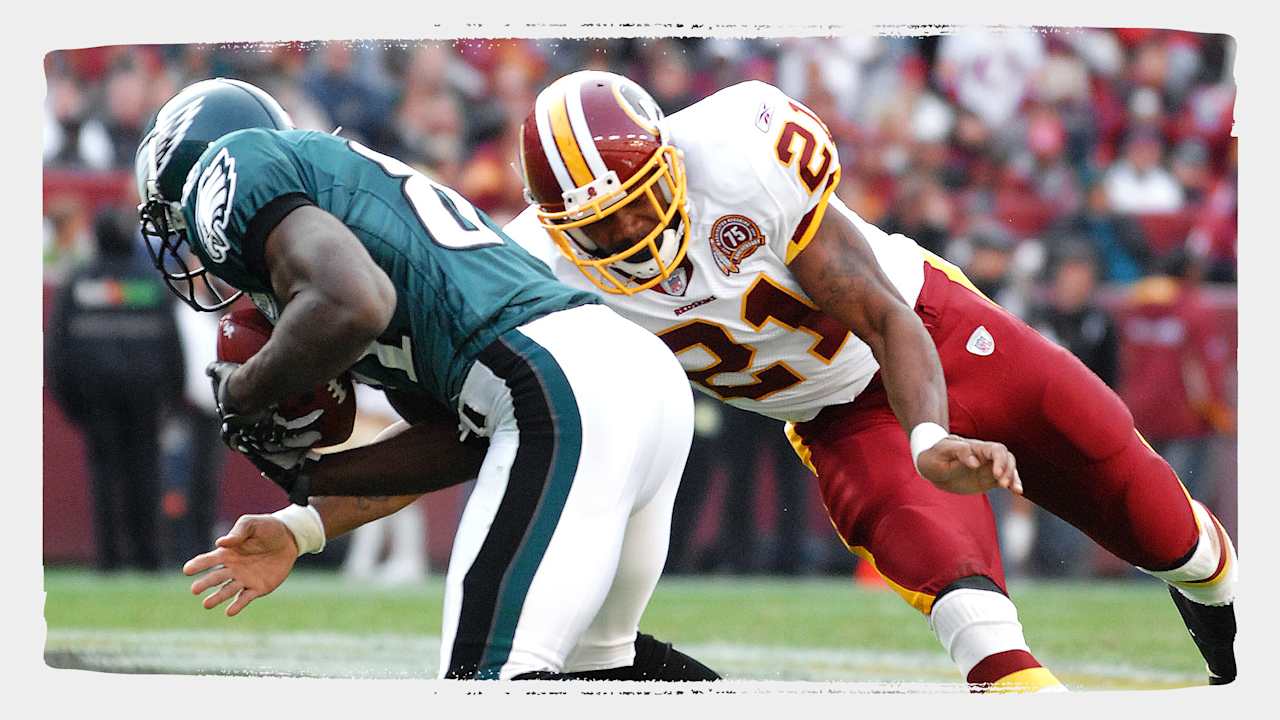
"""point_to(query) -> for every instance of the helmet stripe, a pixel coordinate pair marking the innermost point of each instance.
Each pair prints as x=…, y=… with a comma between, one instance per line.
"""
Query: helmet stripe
x=578, y=121
x=542, y=115
x=170, y=131
x=568, y=144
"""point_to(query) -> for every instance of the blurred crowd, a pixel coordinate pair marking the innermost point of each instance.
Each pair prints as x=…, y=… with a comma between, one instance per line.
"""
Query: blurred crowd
x=1085, y=179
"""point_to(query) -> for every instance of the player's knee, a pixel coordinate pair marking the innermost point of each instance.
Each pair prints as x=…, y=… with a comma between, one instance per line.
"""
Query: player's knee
x=949, y=545
x=1147, y=520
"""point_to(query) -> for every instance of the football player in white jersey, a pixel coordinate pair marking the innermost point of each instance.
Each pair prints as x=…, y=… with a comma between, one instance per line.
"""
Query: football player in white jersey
x=717, y=229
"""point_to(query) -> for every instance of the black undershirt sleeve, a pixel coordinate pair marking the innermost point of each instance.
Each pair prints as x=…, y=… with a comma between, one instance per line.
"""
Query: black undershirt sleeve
x=266, y=220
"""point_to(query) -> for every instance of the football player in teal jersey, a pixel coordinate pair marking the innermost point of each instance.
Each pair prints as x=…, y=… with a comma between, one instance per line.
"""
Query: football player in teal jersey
x=364, y=264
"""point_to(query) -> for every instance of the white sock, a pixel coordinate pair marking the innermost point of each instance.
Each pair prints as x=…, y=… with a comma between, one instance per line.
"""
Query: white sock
x=975, y=624
x=1209, y=577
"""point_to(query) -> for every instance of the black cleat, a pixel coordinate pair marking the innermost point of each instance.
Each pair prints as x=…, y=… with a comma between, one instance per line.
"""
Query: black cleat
x=1213, y=628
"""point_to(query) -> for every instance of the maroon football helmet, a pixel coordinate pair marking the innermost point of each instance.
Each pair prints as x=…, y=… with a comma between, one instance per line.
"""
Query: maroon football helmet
x=594, y=144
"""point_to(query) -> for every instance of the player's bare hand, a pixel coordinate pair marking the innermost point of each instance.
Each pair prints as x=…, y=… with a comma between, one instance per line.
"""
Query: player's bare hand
x=965, y=466
x=250, y=561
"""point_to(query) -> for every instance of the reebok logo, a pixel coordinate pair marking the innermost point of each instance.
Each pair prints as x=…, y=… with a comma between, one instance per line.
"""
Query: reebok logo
x=764, y=117
x=980, y=342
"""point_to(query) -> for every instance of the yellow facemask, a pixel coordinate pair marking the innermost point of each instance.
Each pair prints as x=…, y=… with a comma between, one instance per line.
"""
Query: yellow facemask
x=666, y=165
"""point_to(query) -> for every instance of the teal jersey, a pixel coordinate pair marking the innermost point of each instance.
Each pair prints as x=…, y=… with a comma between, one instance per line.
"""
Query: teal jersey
x=460, y=282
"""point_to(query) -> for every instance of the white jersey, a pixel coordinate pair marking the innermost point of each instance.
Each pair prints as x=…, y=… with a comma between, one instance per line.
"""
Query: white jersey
x=761, y=170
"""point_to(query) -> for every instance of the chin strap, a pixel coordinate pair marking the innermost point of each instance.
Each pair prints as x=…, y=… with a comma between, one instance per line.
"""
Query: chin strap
x=650, y=268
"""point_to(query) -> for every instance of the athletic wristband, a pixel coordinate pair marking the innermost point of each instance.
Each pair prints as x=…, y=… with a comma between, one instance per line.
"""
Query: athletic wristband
x=924, y=436
x=306, y=526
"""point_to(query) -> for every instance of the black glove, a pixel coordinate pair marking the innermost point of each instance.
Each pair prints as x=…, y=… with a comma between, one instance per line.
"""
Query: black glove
x=265, y=431
x=275, y=446
x=236, y=427
x=293, y=476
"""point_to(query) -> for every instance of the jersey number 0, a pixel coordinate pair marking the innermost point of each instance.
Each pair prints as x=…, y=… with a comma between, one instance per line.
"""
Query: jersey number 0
x=448, y=219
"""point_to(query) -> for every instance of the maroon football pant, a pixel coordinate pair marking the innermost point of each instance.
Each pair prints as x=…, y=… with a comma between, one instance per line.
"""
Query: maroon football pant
x=1078, y=455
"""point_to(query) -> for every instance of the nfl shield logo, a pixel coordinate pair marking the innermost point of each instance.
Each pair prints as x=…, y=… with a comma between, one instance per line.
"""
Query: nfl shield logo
x=677, y=283
x=980, y=342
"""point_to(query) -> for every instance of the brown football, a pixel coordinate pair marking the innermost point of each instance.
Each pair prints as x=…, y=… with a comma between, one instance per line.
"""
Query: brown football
x=243, y=332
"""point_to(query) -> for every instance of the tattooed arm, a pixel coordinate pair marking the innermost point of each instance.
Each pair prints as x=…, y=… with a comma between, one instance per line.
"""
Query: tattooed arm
x=839, y=271
x=341, y=515
x=258, y=554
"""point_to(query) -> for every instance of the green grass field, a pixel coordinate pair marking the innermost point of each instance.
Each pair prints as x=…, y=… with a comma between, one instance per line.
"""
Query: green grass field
x=1096, y=635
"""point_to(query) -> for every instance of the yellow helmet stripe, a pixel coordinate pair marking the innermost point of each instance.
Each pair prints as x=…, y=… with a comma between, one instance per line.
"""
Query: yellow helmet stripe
x=542, y=115
x=567, y=143
x=578, y=121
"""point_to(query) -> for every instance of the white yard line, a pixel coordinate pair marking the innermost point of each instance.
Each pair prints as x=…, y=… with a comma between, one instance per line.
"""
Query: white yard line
x=398, y=656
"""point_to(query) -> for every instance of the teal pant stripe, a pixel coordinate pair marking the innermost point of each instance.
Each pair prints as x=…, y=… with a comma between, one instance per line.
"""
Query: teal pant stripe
x=540, y=395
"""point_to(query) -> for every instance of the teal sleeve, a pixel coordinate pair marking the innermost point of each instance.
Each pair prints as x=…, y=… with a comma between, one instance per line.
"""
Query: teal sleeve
x=243, y=185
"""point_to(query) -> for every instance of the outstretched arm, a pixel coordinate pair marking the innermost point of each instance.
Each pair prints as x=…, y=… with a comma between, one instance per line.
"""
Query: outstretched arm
x=258, y=554
x=839, y=271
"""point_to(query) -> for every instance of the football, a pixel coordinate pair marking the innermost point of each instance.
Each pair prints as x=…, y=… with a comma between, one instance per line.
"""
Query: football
x=243, y=332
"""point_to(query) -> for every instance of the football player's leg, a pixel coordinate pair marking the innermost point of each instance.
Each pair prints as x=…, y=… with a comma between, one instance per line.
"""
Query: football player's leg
x=646, y=438
x=1132, y=504
x=612, y=648
x=531, y=561
x=1081, y=458
x=615, y=457
x=938, y=550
